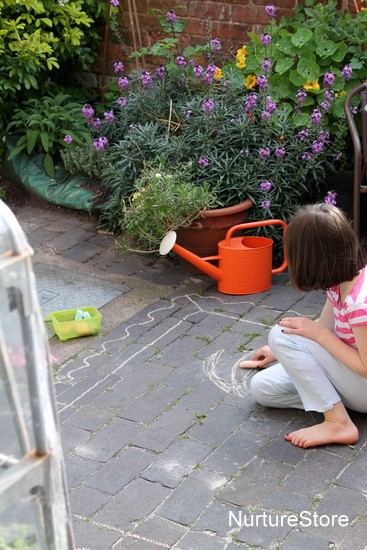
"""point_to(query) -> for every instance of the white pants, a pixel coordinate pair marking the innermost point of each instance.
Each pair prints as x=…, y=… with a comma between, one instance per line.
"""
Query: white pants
x=307, y=377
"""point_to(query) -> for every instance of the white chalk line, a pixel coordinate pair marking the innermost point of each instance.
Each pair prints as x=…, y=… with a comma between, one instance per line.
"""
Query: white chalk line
x=210, y=365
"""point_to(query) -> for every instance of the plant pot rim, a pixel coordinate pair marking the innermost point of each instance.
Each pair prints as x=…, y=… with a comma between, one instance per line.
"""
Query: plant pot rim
x=227, y=210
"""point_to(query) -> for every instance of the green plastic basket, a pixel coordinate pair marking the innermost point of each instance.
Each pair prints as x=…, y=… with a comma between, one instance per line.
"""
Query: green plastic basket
x=66, y=327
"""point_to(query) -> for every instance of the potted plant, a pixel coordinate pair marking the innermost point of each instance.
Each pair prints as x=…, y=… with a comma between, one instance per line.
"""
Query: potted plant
x=164, y=199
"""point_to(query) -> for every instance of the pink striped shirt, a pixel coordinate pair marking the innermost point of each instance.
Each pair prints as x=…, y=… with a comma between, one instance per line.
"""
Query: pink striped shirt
x=353, y=311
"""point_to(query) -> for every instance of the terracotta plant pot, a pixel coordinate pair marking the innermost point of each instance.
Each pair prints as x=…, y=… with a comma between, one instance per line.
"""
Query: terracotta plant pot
x=203, y=235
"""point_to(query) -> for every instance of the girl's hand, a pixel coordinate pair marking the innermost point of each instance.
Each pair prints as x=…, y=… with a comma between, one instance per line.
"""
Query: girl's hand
x=261, y=358
x=302, y=326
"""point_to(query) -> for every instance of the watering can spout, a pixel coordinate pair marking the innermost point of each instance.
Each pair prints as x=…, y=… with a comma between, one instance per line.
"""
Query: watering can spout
x=169, y=243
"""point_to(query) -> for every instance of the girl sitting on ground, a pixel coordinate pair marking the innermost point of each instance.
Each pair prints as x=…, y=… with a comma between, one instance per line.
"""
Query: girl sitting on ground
x=322, y=365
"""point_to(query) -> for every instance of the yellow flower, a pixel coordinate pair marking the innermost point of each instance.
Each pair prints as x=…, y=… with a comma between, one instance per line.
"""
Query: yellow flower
x=241, y=61
x=135, y=196
x=218, y=73
x=242, y=51
x=250, y=81
x=312, y=85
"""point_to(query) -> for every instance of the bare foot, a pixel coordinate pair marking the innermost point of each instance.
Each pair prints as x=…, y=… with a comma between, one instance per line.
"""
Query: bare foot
x=327, y=432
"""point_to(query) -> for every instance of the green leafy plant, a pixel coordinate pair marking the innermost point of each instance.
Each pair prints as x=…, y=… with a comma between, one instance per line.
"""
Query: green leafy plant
x=164, y=199
x=45, y=125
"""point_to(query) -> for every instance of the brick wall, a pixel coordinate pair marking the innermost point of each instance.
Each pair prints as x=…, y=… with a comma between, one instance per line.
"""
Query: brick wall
x=231, y=21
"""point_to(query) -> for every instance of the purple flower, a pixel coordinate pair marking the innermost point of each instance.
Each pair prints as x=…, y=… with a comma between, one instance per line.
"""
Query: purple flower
x=181, y=61
x=146, y=79
x=266, y=116
x=109, y=116
x=160, y=71
x=347, y=72
x=68, y=139
x=329, y=95
x=266, y=65
x=188, y=113
x=265, y=39
x=209, y=73
x=306, y=156
x=270, y=104
x=208, y=105
x=251, y=102
x=329, y=79
x=171, y=17
x=270, y=10
x=325, y=105
x=264, y=153
x=203, y=161
x=121, y=101
x=123, y=82
x=324, y=135
x=316, y=117
x=118, y=67
x=265, y=204
x=262, y=81
x=198, y=70
x=303, y=134
x=88, y=111
x=266, y=186
x=100, y=143
x=216, y=45
x=330, y=198
x=317, y=146
x=279, y=152
x=115, y=3
x=132, y=126
x=301, y=95
x=96, y=123
x=338, y=155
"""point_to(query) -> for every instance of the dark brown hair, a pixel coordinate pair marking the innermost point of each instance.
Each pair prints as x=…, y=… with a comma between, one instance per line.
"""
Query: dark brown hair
x=322, y=249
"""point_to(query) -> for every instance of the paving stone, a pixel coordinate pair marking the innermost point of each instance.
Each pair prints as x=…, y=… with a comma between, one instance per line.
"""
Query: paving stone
x=176, y=462
x=166, y=332
x=315, y=473
x=160, y=530
x=263, y=529
x=39, y=236
x=87, y=389
x=151, y=404
x=188, y=500
x=355, y=475
x=180, y=350
x=337, y=502
x=101, y=239
x=82, y=251
x=255, y=482
x=286, y=501
x=133, y=543
x=104, y=444
x=279, y=450
x=202, y=398
x=101, y=410
x=204, y=541
x=134, y=503
x=231, y=455
x=69, y=239
x=85, y=501
x=282, y=298
x=220, y=518
x=187, y=376
x=140, y=379
x=72, y=436
x=221, y=422
x=95, y=537
x=298, y=540
x=355, y=534
x=78, y=469
x=115, y=474
x=163, y=431
x=211, y=326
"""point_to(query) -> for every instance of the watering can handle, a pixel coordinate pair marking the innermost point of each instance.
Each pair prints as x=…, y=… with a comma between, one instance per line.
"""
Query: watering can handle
x=251, y=225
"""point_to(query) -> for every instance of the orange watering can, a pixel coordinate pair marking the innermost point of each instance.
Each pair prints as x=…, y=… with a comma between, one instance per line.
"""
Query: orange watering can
x=244, y=263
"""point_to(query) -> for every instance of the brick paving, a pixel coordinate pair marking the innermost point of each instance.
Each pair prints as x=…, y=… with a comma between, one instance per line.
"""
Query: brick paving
x=164, y=446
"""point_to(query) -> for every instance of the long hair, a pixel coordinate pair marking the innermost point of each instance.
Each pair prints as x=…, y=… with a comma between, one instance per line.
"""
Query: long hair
x=322, y=249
